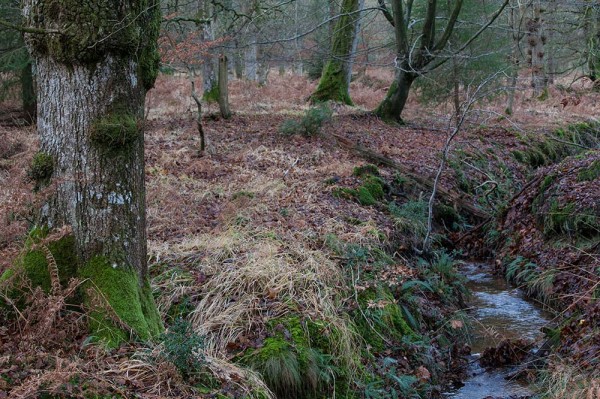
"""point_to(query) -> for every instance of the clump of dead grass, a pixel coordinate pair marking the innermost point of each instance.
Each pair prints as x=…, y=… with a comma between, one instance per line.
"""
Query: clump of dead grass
x=250, y=277
x=566, y=381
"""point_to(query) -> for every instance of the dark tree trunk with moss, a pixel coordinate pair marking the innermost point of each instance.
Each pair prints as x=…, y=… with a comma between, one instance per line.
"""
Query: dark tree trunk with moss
x=333, y=85
x=417, y=58
x=395, y=100
x=209, y=74
x=91, y=84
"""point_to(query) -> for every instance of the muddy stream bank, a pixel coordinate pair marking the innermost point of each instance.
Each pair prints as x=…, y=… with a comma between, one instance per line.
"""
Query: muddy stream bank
x=500, y=312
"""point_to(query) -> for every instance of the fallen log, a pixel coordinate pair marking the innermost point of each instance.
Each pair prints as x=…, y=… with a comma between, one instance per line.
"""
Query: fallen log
x=427, y=183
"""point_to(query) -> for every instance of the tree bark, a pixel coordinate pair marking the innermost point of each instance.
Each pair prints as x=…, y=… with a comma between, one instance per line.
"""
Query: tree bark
x=516, y=16
x=209, y=74
x=251, y=58
x=333, y=85
x=392, y=106
x=594, y=46
x=355, y=40
x=28, y=92
x=91, y=84
x=224, y=87
x=536, y=41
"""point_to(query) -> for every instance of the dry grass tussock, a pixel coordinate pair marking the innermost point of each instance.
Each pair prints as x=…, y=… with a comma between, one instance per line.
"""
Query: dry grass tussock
x=566, y=381
x=254, y=277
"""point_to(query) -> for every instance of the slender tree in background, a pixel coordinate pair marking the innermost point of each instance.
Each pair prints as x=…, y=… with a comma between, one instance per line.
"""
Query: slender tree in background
x=15, y=60
x=205, y=24
x=536, y=41
x=593, y=53
x=415, y=58
x=95, y=62
x=333, y=85
x=516, y=17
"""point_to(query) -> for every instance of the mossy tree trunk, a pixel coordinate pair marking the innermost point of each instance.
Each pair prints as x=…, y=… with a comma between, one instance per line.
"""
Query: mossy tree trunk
x=594, y=46
x=414, y=59
x=207, y=35
x=91, y=85
x=333, y=85
x=391, y=107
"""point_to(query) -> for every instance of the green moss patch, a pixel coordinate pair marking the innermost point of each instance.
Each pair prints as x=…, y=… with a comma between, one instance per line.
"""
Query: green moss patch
x=212, y=95
x=91, y=29
x=380, y=321
x=566, y=219
x=116, y=131
x=41, y=169
x=590, y=174
x=368, y=194
x=35, y=264
x=295, y=360
x=130, y=299
x=367, y=169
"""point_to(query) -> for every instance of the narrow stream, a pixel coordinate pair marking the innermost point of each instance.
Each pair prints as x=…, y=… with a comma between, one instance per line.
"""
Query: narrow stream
x=501, y=312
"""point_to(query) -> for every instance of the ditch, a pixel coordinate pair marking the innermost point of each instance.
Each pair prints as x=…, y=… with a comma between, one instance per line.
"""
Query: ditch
x=501, y=312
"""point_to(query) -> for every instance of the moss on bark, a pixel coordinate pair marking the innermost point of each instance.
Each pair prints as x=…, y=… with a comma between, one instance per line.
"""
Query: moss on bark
x=333, y=85
x=116, y=131
x=91, y=30
x=41, y=169
x=130, y=299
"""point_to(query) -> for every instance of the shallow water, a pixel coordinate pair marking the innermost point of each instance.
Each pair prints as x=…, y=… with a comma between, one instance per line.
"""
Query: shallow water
x=501, y=312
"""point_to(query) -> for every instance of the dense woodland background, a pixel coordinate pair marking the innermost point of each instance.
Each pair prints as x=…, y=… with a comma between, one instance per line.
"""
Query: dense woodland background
x=280, y=207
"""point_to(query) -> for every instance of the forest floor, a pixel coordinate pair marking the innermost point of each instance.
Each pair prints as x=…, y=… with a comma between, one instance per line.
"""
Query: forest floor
x=269, y=247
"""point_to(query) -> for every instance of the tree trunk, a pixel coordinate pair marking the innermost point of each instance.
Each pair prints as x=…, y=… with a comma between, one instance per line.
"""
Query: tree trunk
x=517, y=12
x=209, y=74
x=333, y=85
x=262, y=73
x=224, y=88
x=550, y=47
x=90, y=121
x=392, y=106
x=238, y=63
x=251, y=58
x=594, y=46
x=536, y=41
x=355, y=40
x=28, y=92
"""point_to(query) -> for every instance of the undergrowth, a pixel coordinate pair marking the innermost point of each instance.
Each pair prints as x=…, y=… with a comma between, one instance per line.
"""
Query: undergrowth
x=310, y=124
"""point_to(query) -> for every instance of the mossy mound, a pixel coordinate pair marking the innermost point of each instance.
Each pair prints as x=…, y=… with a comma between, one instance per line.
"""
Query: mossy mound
x=380, y=321
x=566, y=204
x=212, y=96
x=120, y=306
x=129, y=298
x=32, y=269
x=369, y=193
x=364, y=170
x=572, y=140
x=295, y=360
